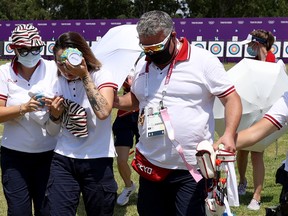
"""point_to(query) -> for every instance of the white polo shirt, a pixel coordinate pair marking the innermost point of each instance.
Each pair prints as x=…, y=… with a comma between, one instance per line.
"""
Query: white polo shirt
x=197, y=78
x=99, y=142
x=278, y=113
x=23, y=133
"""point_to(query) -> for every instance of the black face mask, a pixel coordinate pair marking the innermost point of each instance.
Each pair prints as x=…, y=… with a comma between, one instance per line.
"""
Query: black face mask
x=163, y=57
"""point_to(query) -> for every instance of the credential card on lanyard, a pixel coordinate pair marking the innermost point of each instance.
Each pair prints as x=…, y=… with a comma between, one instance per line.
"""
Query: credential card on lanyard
x=154, y=124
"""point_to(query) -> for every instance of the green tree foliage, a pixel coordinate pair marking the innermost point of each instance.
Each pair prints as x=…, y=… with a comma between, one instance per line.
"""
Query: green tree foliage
x=114, y=9
x=142, y=6
x=110, y=9
x=23, y=10
x=238, y=8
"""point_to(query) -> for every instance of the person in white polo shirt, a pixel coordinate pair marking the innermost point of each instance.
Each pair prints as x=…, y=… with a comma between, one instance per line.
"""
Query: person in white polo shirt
x=273, y=120
x=26, y=148
x=180, y=83
x=83, y=159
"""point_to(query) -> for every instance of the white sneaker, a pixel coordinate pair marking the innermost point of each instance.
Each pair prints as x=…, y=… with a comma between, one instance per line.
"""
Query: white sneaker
x=123, y=198
x=254, y=205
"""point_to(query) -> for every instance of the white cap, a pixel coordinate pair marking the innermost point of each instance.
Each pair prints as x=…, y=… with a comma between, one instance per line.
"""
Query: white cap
x=247, y=40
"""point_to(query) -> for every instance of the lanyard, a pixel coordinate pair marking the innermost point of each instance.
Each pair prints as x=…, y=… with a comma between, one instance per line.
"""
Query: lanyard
x=171, y=135
x=167, y=79
x=166, y=119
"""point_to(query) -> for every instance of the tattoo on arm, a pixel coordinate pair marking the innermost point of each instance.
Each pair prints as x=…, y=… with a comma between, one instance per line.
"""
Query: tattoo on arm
x=97, y=101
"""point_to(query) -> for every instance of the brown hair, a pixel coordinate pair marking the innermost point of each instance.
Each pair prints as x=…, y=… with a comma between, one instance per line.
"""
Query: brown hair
x=75, y=40
x=267, y=36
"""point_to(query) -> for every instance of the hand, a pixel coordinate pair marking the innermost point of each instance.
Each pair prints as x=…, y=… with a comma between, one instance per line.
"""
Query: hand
x=227, y=141
x=32, y=105
x=77, y=71
x=55, y=105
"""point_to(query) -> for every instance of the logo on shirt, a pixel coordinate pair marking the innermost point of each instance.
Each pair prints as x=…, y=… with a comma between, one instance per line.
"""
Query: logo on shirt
x=12, y=81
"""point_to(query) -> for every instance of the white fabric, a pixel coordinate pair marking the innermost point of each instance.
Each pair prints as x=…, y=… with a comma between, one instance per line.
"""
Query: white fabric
x=100, y=142
x=232, y=188
x=259, y=85
x=25, y=133
x=118, y=50
x=190, y=98
x=278, y=115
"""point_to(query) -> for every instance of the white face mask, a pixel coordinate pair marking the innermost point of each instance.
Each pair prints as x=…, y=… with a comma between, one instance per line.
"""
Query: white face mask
x=30, y=60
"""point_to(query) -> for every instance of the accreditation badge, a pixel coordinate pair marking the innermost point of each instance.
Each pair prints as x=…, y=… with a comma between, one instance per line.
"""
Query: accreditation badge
x=154, y=123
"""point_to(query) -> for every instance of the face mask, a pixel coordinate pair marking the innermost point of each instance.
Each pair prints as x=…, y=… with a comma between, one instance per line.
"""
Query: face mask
x=30, y=60
x=163, y=57
x=251, y=51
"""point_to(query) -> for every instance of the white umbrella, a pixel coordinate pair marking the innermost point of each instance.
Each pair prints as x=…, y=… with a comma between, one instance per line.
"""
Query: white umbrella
x=118, y=51
x=259, y=84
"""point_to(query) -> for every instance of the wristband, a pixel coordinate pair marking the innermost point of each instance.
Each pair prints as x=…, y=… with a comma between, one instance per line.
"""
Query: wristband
x=54, y=119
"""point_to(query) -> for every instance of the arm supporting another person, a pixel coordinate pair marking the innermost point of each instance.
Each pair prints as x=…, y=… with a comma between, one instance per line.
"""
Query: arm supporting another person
x=255, y=133
x=233, y=110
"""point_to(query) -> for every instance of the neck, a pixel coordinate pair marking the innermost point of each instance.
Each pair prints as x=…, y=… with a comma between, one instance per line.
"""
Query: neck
x=25, y=72
x=262, y=53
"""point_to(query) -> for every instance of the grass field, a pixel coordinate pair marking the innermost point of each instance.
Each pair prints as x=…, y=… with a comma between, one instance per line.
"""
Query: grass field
x=270, y=194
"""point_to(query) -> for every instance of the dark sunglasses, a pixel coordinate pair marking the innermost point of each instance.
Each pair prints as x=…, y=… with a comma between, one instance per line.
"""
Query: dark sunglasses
x=25, y=51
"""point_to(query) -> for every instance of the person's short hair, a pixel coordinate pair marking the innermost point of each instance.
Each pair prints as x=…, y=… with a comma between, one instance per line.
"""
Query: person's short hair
x=26, y=35
x=153, y=22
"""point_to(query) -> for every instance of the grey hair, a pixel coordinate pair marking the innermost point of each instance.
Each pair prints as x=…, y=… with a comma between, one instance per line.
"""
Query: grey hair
x=153, y=22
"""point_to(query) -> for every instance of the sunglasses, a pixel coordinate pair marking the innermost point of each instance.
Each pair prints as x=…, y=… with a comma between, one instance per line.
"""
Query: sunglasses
x=155, y=47
x=34, y=51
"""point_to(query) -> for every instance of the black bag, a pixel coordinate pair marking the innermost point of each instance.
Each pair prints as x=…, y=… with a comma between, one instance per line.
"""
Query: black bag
x=282, y=208
x=273, y=211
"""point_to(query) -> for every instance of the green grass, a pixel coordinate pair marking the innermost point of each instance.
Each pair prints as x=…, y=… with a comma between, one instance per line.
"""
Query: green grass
x=270, y=194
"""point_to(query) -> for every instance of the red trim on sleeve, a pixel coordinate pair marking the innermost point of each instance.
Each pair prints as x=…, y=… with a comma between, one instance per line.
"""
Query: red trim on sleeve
x=109, y=84
x=273, y=121
x=227, y=92
x=3, y=97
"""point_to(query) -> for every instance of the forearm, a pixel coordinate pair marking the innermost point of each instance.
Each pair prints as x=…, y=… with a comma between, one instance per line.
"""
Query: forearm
x=53, y=126
x=98, y=102
x=127, y=102
x=233, y=113
x=9, y=113
x=254, y=134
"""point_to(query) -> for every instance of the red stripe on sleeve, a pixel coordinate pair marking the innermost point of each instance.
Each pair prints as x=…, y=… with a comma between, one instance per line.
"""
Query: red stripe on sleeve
x=227, y=92
x=273, y=121
x=104, y=85
x=3, y=97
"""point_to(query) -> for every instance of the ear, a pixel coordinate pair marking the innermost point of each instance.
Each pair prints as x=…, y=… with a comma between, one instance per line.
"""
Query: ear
x=173, y=33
